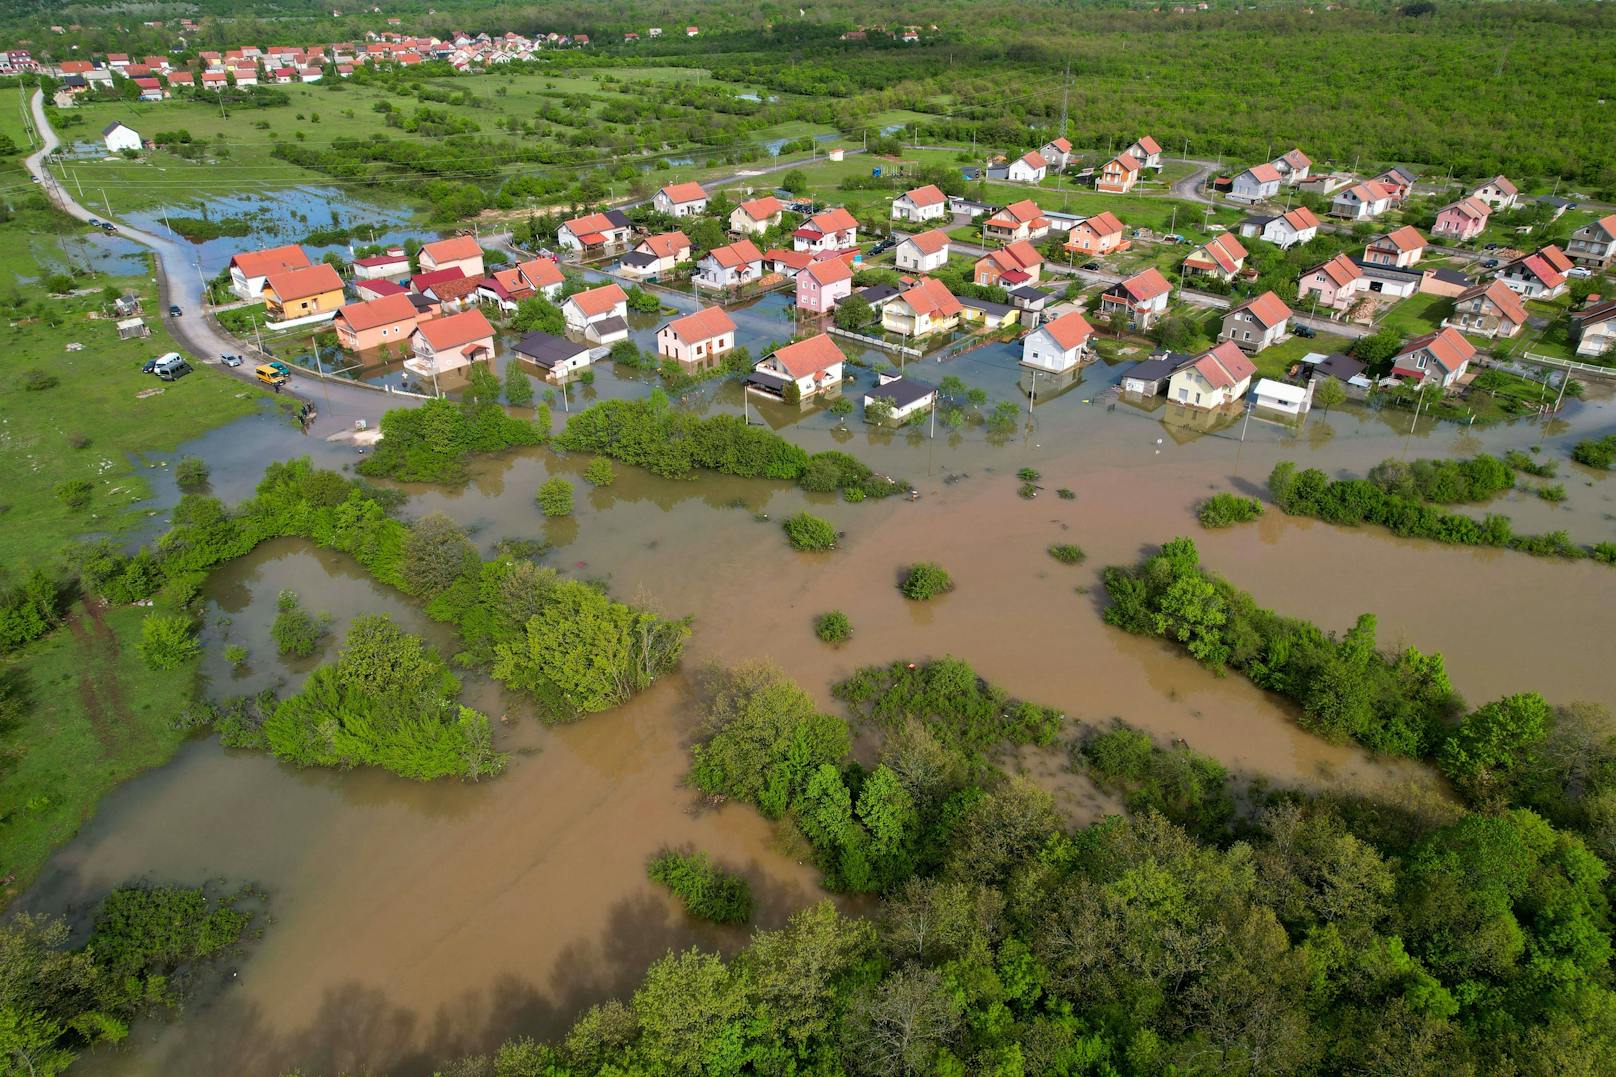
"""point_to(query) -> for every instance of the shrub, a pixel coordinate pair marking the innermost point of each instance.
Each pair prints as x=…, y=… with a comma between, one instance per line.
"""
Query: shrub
x=1066, y=495
x=809, y=532
x=1226, y=510
x=236, y=655
x=1555, y=493
x=555, y=497
x=1523, y=462
x=191, y=473
x=518, y=386
x=1066, y=553
x=1185, y=786
x=166, y=641
x=295, y=631
x=600, y=472
x=957, y=706
x=436, y=554
x=833, y=627
x=74, y=493
x=36, y=380
x=706, y=890
x=1597, y=453
x=925, y=581
x=432, y=442
x=1028, y=474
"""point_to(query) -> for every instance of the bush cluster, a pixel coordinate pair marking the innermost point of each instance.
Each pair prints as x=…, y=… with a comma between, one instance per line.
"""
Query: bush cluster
x=1597, y=453
x=707, y=890
x=1226, y=510
x=809, y=532
x=833, y=627
x=432, y=442
x=925, y=581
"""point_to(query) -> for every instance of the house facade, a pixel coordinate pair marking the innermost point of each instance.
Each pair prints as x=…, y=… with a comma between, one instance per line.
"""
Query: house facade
x=388, y=266
x=1019, y=220
x=1441, y=357
x=925, y=308
x=1401, y=248
x=1542, y=275
x=1361, y=202
x=1497, y=194
x=813, y=365
x=1594, y=329
x=732, y=266
x=829, y=230
x=756, y=216
x=1118, y=175
x=1335, y=284
x=249, y=271
x=555, y=358
x=1057, y=152
x=824, y=284
x=1014, y=265
x=1147, y=151
x=922, y=204
x=1258, y=183
x=1257, y=323
x=299, y=295
x=376, y=324
x=1099, y=235
x=697, y=341
x=1487, y=310
x=1220, y=258
x=905, y=397
x=461, y=252
x=681, y=200
x=1594, y=244
x=1288, y=230
x=599, y=314
x=595, y=232
x=120, y=137
x=924, y=252
x=1462, y=220
x=1293, y=167
x=1058, y=345
x=1030, y=167
x=1217, y=377
x=449, y=343
x=1142, y=298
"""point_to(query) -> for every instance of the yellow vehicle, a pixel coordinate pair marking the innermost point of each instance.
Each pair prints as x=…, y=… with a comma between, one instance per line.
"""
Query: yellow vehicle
x=273, y=374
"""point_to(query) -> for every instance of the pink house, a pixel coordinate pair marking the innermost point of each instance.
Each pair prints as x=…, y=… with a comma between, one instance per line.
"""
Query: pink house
x=824, y=284
x=368, y=326
x=1336, y=283
x=1462, y=220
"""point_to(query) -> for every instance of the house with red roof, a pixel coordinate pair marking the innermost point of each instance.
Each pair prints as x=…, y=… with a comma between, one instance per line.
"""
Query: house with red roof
x=1030, y=167
x=215, y=80
x=441, y=345
x=1594, y=328
x=1487, y=310
x=1147, y=151
x=1285, y=231
x=656, y=256
x=456, y=293
x=924, y=252
x=1594, y=244
x=1010, y=266
x=1057, y=152
x=1256, y=184
x=251, y=269
x=1257, y=323
x=1362, y=201
x=1118, y=175
x=1219, y=376
x=926, y=203
x=730, y=266
x=787, y=263
x=375, y=324
x=1019, y=220
x=1335, y=284
x=823, y=284
x=1541, y=275
x=1099, y=235
x=924, y=308
x=1441, y=357
x=756, y=216
x=697, y=341
x=600, y=314
x=1294, y=166
x=814, y=365
x=1400, y=248
x=180, y=79
x=595, y=232
x=681, y=200
x=828, y=230
x=388, y=265
x=1142, y=298
x=312, y=293
x=461, y=252
x=1497, y=194
x=1058, y=345
x=1221, y=258
x=506, y=288
x=1462, y=220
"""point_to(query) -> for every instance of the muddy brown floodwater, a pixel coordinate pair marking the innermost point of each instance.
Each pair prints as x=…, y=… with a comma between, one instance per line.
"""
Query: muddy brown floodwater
x=411, y=921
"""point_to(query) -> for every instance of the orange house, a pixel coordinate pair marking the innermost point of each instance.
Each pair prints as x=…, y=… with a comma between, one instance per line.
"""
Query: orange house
x=370, y=326
x=1119, y=174
x=1100, y=234
x=461, y=252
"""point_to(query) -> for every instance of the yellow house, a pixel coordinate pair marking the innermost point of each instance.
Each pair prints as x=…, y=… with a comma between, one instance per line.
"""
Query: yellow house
x=309, y=294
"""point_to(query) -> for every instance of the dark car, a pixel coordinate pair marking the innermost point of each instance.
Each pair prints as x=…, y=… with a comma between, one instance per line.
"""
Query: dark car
x=1091, y=265
x=1306, y=332
x=173, y=311
x=151, y=365
x=885, y=245
x=175, y=372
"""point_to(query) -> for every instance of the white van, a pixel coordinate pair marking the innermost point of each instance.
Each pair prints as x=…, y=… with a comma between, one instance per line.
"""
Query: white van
x=167, y=363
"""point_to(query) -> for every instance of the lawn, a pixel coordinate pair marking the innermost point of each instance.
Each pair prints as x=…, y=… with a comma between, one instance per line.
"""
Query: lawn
x=1274, y=361
x=1417, y=314
x=98, y=717
x=94, y=403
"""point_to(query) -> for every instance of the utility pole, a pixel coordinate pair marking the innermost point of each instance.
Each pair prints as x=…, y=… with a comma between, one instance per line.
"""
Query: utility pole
x=1066, y=89
x=80, y=188
x=106, y=203
x=1246, y=423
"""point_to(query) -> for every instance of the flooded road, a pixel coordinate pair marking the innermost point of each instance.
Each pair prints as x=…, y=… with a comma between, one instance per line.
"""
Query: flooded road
x=412, y=922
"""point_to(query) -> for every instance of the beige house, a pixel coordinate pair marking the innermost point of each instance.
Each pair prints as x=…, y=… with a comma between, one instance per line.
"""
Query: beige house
x=1217, y=377
x=697, y=341
x=756, y=216
x=925, y=308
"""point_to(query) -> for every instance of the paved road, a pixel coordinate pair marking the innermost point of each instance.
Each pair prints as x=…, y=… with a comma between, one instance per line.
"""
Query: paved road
x=180, y=284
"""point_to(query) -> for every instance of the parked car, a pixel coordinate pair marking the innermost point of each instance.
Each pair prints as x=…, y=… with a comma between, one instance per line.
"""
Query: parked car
x=885, y=245
x=94, y=223
x=231, y=361
x=273, y=374
x=1091, y=265
x=173, y=311
x=108, y=228
x=174, y=372
x=162, y=360
x=1306, y=332
x=1579, y=272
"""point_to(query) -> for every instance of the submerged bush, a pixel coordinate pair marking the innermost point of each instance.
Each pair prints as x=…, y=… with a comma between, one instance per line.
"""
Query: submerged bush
x=809, y=532
x=555, y=497
x=1066, y=553
x=296, y=632
x=707, y=890
x=925, y=581
x=833, y=627
x=600, y=472
x=167, y=641
x=1226, y=510
x=1597, y=453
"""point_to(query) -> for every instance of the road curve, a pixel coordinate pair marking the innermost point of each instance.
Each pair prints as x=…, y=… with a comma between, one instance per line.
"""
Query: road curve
x=179, y=283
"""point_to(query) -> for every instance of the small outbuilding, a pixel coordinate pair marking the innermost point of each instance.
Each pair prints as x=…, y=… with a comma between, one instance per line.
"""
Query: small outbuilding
x=1283, y=397
x=130, y=328
x=906, y=396
x=120, y=137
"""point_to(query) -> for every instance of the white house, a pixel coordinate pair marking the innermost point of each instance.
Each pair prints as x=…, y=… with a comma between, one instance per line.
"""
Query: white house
x=1216, y=377
x=924, y=252
x=594, y=231
x=926, y=203
x=1030, y=167
x=905, y=396
x=829, y=230
x=1499, y=193
x=1293, y=166
x=1362, y=201
x=1147, y=151
x=1283, y=397
x=600, y=314
x=251, y=269
x=120, y=137
x=697, y=341
x=1594, y=329
x=1288, y=230
x=814, y=365
x=731, y=266
x=1256, y=184
x=756, y=216
x=681, y=200
x=1594, y=244
x=1059, y=345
